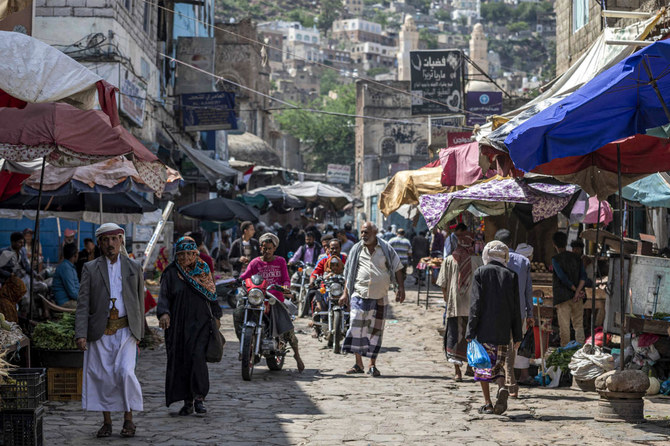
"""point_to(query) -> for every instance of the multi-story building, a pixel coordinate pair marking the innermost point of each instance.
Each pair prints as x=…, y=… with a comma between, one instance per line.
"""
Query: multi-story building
x=340, y=59
x=369, y=55
x=359, y=30
x=303, y=43
x=353, y=7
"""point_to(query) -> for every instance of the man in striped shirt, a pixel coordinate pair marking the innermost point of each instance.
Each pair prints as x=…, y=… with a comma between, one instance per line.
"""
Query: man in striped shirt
x=403, y=248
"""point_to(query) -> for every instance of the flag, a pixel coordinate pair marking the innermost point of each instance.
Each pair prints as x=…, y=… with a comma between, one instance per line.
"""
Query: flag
x=247, y=175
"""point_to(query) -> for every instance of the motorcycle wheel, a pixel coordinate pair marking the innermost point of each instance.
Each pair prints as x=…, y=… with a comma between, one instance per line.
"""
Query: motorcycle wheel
x=275, y=363
x=231, y=299
x=303, y=304
x=248, y=359
x=337, y=332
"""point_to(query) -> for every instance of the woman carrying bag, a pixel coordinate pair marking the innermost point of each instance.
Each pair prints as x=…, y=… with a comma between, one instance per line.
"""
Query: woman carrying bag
x=187, y=309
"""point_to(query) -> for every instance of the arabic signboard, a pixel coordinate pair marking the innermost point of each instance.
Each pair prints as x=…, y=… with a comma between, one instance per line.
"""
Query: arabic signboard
x=456, y=138
x=208, y=111
x=338, y=173
x=132, y=98
x=440, y=127
x=436, y=82
x=199, y=52
x=483, y=103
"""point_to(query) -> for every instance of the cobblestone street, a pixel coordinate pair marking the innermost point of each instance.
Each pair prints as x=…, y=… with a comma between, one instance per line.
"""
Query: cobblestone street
x=414, y=402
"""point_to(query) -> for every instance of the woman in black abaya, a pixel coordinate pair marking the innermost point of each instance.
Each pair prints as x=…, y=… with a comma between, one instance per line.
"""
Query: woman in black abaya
x=186, y=304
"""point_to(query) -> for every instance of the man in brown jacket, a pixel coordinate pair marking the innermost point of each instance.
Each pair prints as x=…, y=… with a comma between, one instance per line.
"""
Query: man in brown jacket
x=109, y=324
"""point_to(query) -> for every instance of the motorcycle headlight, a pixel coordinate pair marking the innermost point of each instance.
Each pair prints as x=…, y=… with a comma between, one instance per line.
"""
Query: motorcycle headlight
x=336, y=290
x=255, y=296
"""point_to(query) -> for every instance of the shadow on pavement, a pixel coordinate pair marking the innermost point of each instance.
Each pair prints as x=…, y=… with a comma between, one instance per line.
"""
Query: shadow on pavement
x=564, y=397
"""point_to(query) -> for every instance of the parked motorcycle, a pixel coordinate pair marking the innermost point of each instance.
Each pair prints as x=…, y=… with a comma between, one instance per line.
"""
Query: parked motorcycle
x=300, y=286
x=257, y=340
x=226, y=290
x=335, y=327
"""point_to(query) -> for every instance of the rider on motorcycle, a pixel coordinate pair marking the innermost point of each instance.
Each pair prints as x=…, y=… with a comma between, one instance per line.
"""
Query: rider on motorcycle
x=307, y=253
x=273, y=269
x=326, y=267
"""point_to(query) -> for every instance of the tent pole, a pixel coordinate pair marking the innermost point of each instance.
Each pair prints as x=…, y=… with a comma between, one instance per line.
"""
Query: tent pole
x=100, y=195
x=36, y=242
x=595, y=269
x=621, y=260
x=653, y=84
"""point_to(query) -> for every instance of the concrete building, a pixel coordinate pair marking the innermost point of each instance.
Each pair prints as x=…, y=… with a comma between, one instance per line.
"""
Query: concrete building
x=359, y=30
x=353, y=7
x=369, y=55
x=340, y=59
x=407, y=41
x=466, y=9
x=385, y=147
x=303, y=43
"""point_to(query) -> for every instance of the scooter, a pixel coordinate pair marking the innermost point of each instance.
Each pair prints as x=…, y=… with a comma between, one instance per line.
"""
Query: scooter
x=300, y=286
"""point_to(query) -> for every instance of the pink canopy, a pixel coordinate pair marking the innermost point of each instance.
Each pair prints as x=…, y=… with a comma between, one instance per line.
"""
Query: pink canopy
x=460, y=165
x=70, y=137
x=591, y=216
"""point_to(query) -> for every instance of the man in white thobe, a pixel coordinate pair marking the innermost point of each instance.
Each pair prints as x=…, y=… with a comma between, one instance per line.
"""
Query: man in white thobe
x=109, y=324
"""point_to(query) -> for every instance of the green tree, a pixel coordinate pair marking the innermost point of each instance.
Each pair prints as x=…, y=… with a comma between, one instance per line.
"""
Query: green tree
x=429, y=37
x=329, y=81
x=329, y=138
x=517, y=26
x=330, y=11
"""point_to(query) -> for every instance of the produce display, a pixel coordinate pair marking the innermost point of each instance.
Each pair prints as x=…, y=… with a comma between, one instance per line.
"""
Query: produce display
x=561, y=358
x=55, y=335
x=434, y=262
x=538, y=267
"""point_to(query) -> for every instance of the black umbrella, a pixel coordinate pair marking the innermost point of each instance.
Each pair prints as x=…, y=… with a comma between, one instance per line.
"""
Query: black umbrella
x=219, y=210
x=127, y=202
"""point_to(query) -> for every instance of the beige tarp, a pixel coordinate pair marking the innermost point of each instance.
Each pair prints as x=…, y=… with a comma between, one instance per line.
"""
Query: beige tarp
x=406, y=186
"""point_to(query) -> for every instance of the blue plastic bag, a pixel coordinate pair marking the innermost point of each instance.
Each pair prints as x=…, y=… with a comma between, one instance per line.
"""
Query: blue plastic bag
x=477, y=356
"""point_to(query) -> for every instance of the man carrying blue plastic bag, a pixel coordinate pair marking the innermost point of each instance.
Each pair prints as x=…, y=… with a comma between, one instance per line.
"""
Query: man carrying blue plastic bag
x=494, y=319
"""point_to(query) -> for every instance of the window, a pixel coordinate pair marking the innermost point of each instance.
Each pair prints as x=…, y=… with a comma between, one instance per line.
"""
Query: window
x=580, y=14
x=298, y=36
x=147, y=17
x=314, y=39
x=127, y=4
x=388, y=146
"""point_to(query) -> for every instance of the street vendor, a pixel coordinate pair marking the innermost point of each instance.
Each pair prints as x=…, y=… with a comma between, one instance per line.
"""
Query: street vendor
x=109, y=323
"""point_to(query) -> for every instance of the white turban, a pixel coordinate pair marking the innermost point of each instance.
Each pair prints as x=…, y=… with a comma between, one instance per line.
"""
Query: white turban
x=525, y=250
x=113, y=229
x=269, y=237
x=497, y=251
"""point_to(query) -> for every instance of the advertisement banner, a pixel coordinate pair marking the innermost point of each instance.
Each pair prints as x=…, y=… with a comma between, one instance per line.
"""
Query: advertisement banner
x=338, y=173
x=132, y=99
x=199, y=52
x=456, y=138
x=436, y=82
x=208, y=111
x=440, y=127
x=483, y=103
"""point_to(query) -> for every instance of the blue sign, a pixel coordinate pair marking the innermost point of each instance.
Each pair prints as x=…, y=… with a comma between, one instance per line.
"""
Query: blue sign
x=208, y=111
x=481, y=104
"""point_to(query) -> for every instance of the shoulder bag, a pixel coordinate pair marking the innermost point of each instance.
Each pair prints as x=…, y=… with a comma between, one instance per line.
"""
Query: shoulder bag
x=216, y=341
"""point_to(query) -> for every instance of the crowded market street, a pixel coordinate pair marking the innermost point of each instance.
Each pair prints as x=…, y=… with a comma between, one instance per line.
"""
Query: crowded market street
x=413, y=402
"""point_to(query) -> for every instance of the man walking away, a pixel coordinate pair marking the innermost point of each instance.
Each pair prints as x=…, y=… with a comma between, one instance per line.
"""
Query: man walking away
x=109, y=323
x=521, y=266
x=420, y=249
x=494, y=319
x=568, y=282
x=371, y=267
x=403, y=248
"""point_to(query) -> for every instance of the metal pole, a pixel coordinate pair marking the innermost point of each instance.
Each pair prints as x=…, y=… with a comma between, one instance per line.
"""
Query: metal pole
x=621, y=259
x=595, y=268
x=36, y=240
x=100, y=208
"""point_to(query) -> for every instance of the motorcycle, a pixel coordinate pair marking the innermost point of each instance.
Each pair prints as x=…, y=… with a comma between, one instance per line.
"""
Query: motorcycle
x=226, y=291
x=257, y=340
x=300, y=286
x=337, y=323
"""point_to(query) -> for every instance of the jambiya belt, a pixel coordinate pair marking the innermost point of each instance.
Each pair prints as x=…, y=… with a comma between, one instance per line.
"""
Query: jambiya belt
x=114, y=322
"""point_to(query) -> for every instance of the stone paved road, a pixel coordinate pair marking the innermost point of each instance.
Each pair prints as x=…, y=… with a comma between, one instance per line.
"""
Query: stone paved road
x=414, y=402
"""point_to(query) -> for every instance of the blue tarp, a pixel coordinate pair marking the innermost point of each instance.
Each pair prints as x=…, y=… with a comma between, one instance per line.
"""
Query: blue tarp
x=618, y=103
x=652, y=191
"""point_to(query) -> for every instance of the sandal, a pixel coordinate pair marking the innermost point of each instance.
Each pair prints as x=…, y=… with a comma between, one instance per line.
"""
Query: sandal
x=374, y=371
x=501, y=401
x=355, y=369
x=458, y=379
x=486, y=409
x=128, y=429
x=105, y=431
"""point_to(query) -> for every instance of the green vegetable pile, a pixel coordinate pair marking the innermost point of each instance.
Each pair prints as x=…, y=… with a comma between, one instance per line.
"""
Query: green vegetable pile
x=55, y=335
x=560, y=359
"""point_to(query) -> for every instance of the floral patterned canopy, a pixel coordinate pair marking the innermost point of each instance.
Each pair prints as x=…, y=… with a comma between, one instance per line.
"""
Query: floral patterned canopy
x=491, y=197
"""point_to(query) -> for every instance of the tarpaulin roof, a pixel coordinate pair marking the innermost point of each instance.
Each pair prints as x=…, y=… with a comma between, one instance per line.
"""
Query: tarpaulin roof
x=460, y=164
x=596, y=172
x=494, y=197
x=211, y=169
x=620, y=102
x=68, y=136
x=407, y=185
x=314, y=191
x=652, y=191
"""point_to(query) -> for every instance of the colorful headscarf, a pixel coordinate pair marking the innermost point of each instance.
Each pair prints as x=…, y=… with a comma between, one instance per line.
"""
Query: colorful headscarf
x=198, y=275
x=161, y=261
x=461, y=255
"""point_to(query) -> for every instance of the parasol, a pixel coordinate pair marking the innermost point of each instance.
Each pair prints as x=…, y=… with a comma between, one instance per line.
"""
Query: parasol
x=219, y=210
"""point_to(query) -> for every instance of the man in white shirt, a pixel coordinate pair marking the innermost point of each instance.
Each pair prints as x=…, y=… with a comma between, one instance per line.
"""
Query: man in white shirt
x=370, y=268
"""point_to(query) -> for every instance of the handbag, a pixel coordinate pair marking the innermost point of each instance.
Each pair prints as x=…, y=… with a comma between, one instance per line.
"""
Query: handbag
x=527, y=346
x=216, y=341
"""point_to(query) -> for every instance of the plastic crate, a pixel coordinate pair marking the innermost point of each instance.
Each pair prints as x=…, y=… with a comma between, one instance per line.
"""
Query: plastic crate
x=26, y=391
x=22, y=428
x=64, y=384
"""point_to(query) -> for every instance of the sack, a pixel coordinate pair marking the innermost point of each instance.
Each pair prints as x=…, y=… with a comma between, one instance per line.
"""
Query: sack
x=477, y=356
x=215, y=344
x=527, y=346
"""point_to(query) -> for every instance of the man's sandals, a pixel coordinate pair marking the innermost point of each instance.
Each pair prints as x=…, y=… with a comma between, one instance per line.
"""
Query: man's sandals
x=128, y=429
x=355, y=369
x=105, y=431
